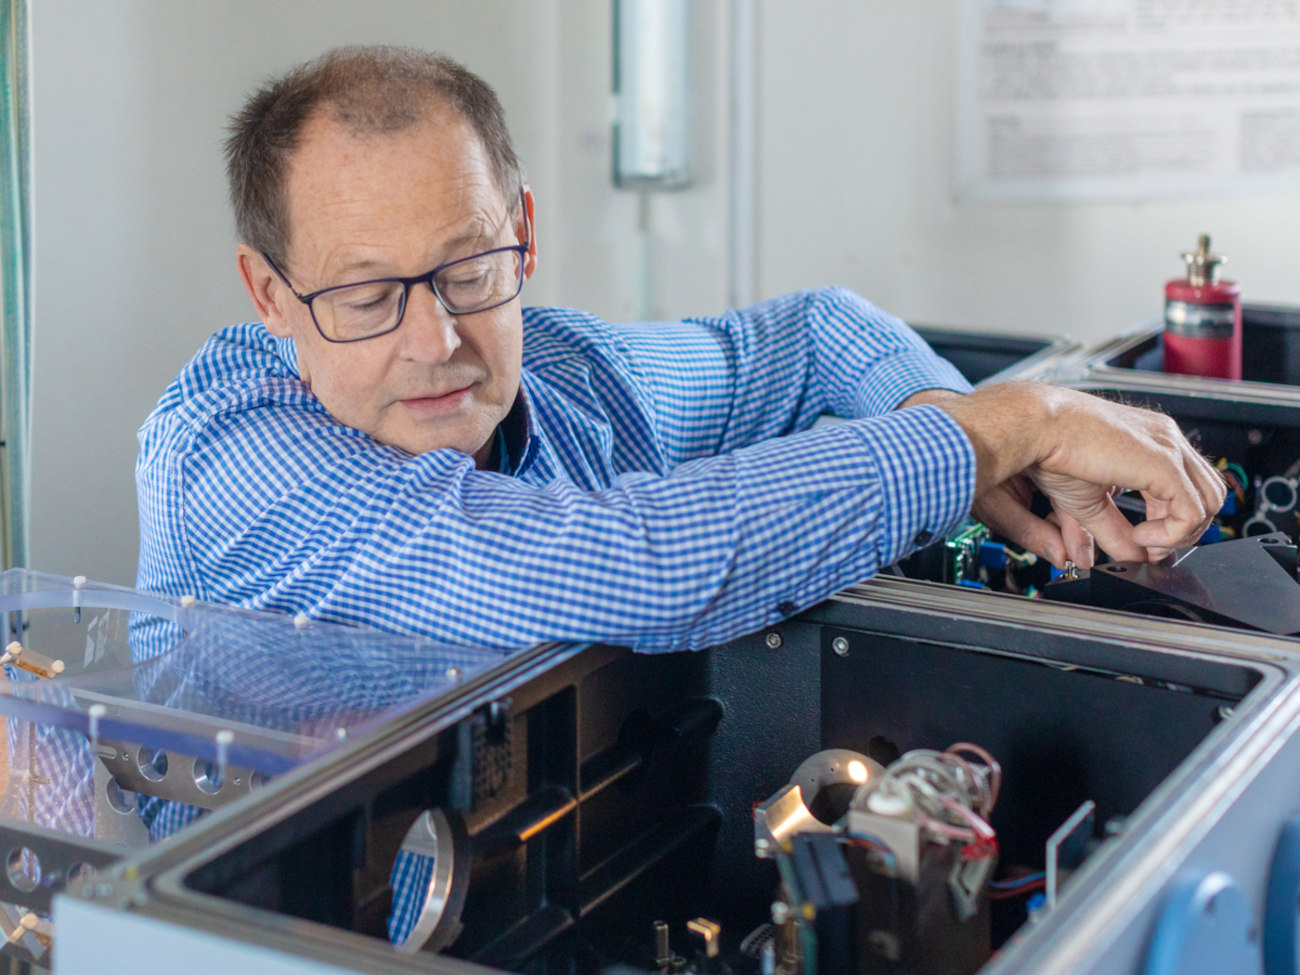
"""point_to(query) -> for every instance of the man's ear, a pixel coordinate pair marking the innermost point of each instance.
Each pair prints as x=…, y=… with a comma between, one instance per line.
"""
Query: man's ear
x=528, y=233
x=265, y=288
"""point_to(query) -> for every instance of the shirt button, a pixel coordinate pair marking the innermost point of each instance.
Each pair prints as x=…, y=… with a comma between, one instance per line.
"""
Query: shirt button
x=922, y=538
x=787, y=608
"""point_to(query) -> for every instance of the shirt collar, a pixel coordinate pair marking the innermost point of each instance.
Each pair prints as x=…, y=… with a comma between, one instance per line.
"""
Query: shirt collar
x=516, y=443
x=285, y=350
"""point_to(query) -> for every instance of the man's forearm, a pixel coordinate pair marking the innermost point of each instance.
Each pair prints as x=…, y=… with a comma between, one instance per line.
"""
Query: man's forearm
x=1005, y=425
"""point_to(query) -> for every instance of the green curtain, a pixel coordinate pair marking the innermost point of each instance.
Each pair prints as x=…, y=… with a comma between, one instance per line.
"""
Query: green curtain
x=15, y=281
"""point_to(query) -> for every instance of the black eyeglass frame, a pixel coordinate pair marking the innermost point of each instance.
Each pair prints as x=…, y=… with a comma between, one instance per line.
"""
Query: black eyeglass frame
x=426, y=278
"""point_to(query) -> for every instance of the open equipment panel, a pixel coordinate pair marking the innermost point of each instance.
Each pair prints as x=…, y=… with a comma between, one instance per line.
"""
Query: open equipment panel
x=1249, y=430
x=1270, y=351
x=587, y=809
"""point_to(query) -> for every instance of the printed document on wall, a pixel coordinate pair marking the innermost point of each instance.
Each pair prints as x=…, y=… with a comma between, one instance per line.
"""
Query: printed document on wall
x=1127, y=99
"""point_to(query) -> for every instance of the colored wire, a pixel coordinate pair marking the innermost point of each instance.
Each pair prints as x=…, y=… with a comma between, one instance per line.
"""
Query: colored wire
x=1004, y=890
x=944, y=790
x=991, y=763
x=1016, y=882
x=1002, y=895
x=1237, y=488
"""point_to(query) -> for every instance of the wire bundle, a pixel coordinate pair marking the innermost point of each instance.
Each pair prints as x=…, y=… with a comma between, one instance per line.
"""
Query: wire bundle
x=950, y=796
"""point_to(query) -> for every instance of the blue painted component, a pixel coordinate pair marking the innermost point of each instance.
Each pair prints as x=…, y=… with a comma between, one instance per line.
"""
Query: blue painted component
x=1280, y=903
x=1212, y=534
x=970, y=583
x=1055, y=573
x=1229, y=505
x=1206, y=928
x=993, y=555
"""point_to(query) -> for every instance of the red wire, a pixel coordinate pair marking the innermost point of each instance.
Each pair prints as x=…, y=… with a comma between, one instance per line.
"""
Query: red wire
x=1235, y=484
x=1001, y=894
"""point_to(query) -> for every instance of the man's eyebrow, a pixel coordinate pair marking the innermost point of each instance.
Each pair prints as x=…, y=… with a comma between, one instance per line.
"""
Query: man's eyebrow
x=463, y=245
x=471, y=241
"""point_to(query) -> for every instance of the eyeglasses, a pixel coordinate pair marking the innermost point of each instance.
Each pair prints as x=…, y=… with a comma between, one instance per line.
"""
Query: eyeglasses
x=368, y=309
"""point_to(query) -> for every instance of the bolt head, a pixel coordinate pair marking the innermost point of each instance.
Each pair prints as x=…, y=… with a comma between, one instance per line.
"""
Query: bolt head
x=773, y=641
x=840, y=646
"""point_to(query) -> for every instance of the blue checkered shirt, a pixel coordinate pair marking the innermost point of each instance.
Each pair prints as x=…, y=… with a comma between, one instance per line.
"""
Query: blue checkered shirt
x=665, y=489
x=668, y=494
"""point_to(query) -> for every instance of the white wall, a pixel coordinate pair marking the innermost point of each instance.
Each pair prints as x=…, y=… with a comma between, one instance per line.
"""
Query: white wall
x=134, y=244
x=856, y=144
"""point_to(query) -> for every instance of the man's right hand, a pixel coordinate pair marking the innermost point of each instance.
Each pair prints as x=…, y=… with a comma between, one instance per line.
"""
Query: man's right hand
x=1078, y=449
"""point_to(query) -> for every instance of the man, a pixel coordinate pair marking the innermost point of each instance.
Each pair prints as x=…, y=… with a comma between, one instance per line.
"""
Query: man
x=398, y=444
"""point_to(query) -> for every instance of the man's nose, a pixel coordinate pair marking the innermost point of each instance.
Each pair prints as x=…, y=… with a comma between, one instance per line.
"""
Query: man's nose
x=428, y=330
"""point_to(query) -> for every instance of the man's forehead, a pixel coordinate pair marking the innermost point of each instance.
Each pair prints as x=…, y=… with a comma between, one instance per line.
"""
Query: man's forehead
x=370, y=185
x=328, y=147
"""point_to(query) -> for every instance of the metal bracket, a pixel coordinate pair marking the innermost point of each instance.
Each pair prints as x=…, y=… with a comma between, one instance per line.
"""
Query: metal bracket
x=40, y=862
x=168, y=775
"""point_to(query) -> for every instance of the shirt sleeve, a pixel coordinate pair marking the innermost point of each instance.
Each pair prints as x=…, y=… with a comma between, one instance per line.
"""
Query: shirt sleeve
x=309, y=517
x=716, y=384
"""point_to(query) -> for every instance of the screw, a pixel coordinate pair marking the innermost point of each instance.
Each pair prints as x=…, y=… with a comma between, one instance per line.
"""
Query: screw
x=1225, y=712
x=1254, y=437
x=840, y=646
x=773, y=641
x=780, y=912
x=663, y=953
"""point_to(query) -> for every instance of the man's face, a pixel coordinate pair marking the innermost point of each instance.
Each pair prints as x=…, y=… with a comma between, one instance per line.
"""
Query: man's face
x=397, y=205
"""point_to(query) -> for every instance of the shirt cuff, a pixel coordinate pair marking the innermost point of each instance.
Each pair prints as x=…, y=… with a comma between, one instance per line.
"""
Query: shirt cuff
x=894, y=379
x=925, y=466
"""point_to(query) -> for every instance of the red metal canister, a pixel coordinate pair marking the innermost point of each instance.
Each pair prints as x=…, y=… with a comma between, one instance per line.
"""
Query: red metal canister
x=1203, y=319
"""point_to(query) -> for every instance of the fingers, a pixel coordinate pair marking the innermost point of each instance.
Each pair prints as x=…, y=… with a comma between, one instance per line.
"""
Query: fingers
x=1137, y=449
x=1005, y=511
x=1079, y=544
x=1115, y=534
x=1180, y=520
x=1156, y=510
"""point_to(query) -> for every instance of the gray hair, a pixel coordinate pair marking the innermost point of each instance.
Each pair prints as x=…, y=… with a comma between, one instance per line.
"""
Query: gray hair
x=368, y=90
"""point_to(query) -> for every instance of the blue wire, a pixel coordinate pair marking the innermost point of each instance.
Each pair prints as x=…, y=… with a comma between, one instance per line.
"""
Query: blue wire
x=1018, y=882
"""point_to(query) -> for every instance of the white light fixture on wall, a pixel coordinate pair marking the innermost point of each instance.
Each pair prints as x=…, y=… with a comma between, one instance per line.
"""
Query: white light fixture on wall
x=652, y=94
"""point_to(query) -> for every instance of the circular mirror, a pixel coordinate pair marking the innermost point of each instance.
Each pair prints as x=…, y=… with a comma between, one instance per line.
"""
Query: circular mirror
x=429, y=879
